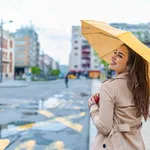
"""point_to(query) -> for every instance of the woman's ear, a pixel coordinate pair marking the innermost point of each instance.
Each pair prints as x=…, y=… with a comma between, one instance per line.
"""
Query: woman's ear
x=127, y=68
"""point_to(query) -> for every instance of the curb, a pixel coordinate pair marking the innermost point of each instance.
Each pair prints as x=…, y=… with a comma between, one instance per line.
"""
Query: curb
x=13, y=86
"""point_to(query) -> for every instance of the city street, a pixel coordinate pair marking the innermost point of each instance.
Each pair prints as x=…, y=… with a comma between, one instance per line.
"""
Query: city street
x=46, y=116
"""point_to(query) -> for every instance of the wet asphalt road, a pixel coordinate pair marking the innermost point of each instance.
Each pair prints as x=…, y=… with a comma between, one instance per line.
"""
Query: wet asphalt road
x=46, y=116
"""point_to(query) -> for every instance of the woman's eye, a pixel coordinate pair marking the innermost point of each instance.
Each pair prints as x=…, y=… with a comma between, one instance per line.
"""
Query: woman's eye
x=115, y=52
x=120, y=56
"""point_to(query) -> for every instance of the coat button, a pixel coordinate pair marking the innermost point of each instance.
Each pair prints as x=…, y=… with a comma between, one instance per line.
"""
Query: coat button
x=104, y=145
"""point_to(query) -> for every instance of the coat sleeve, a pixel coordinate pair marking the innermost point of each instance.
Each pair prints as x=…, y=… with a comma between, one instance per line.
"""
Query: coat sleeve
x=102, y=115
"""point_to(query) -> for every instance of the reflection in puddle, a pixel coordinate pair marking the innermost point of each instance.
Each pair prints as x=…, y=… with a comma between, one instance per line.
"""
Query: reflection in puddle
x=11, y=128
x=50, y=103
x=5, y=104
x=30, y=113
x=59, y=95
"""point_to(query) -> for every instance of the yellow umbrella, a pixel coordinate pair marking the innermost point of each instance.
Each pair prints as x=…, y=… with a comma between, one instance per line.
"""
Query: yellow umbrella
x=105, y=39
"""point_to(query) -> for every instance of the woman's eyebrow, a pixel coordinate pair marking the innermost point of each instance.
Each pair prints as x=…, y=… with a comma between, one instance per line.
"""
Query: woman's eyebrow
x=121, y=53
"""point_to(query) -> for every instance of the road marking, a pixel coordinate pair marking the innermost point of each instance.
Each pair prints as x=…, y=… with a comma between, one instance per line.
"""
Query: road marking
x=75, y=126
x=26, y=126
x=29, y=145
x=4, y=143
x=58, y=145
x=46, y=113
x=64, y=120
x=82, y=114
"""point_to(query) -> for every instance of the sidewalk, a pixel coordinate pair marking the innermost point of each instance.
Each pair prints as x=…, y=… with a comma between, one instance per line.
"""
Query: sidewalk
x=145, y=130
x=13, y=83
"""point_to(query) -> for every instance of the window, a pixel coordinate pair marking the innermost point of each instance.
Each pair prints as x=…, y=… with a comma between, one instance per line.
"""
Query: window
x=75, y=66
x=76, y=48
x=20, y=48
x=75, y=41
x=20, y=42
x=75, y=54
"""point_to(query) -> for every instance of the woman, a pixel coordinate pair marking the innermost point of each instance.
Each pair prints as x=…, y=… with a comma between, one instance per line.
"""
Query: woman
x=124, y=101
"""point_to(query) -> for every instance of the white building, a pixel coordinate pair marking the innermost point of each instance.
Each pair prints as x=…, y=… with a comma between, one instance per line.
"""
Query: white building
x=83, y=59
x=8, y=47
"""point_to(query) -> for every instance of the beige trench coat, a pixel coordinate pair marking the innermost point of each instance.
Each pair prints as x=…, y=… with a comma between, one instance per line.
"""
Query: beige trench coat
x=115, y=118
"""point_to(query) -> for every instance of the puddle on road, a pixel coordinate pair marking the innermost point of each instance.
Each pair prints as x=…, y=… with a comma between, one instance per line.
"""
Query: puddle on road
x=31, y=108
x=49, y=103
x=14, y=128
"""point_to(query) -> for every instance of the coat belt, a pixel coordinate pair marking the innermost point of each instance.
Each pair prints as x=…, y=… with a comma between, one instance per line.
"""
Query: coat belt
x=125, y=128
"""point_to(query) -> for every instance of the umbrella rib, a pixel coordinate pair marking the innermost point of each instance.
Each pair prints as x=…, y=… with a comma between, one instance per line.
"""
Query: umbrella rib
x=103, y=34
x=106, y=54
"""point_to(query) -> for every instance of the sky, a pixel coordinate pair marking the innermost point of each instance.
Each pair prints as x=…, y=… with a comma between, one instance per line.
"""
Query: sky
x=53, y=19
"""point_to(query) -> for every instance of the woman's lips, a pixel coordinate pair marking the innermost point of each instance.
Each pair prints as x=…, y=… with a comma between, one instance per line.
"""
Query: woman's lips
x=112, y=63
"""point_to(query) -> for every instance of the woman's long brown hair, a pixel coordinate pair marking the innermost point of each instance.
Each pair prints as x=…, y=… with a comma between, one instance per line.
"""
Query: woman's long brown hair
x=138, y=82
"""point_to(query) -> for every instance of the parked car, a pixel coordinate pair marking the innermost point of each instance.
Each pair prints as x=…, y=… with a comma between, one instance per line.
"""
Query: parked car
x=52, y=77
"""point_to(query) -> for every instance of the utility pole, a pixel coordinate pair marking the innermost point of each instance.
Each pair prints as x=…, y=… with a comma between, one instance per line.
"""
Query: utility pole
x=1, y=51
x=43, y=61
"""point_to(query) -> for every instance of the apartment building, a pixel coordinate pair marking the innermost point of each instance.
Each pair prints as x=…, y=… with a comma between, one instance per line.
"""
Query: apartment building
x=83, y=60
x=141, y=31
x=8, y=55
x=26, y=50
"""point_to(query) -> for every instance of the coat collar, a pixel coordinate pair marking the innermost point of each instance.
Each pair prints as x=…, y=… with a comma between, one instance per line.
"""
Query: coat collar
x=121, y=75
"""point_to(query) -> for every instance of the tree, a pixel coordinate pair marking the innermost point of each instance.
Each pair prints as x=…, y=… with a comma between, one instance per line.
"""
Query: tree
x=35, y=70
x=55, y=72
x=100, y=60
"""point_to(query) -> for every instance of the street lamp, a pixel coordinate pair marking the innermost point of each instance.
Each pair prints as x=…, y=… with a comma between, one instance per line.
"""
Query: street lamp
x=1, y=58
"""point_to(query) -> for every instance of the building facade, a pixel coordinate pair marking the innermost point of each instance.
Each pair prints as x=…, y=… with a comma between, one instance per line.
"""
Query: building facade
x=47, y=63
x=83, y=60
x=26, y=50
x=8, y=47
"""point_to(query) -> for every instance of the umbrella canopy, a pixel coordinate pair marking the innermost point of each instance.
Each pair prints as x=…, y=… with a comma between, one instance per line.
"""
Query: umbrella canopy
x=105, y=39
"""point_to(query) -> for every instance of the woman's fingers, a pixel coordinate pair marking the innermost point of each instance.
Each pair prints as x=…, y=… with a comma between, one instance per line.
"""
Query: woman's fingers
x=91, y=101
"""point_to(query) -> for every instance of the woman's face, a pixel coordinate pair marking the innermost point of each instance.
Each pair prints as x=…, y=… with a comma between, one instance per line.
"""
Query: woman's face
x=119, y=60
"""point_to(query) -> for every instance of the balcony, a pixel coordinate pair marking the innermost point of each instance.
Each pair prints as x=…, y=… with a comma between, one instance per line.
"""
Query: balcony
x=86, y=66
x=86, y=50
x=86, y=56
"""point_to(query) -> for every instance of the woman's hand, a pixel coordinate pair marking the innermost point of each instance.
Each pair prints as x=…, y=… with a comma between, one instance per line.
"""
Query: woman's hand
x=94, y=99
x=91, y=101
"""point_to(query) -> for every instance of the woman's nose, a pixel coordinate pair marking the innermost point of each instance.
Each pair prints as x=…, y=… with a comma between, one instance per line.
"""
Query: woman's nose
x=114, y=57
